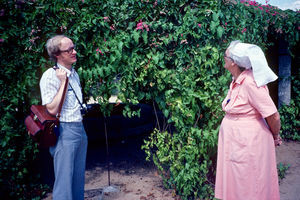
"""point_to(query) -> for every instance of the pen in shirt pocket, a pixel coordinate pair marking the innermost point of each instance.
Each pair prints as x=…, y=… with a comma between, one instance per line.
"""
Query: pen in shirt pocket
x=227, y=101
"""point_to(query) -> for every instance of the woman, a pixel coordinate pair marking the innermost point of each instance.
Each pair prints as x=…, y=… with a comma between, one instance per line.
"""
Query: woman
x=246, y=166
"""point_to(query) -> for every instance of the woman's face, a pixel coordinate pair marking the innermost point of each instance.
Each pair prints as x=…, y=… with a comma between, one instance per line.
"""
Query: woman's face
x=228, y=61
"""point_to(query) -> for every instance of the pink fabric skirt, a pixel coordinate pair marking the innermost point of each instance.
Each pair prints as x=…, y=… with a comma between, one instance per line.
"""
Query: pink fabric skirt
x=246, y=167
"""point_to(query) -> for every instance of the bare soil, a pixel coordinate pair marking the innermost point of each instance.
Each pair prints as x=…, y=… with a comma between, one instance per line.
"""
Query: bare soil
x=135, y=179
x=289, y=153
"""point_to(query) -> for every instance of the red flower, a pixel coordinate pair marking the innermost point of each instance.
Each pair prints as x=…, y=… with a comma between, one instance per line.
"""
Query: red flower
x=99, y=51
x=252, y=3
x=106, y=19
x=141, y=25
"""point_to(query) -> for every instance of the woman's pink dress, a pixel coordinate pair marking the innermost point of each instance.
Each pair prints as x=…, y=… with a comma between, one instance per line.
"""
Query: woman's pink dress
x=246, y=167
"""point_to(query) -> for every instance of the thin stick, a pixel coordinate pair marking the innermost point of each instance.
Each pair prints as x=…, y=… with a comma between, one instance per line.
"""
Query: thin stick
x=107, y=154
x=156, y=115
x=199, y=114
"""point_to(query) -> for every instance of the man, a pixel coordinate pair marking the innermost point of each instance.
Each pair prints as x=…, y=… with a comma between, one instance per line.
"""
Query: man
x=69, y=153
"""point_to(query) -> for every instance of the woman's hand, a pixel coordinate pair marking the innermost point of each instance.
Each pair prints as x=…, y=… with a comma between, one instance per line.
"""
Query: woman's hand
x=277, y=140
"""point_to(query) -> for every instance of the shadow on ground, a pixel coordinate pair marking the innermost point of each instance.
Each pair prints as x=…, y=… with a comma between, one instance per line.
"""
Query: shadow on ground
x=124, y=156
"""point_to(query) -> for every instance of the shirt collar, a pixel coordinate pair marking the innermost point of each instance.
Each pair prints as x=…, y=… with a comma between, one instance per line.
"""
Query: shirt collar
x=69, y=72
x=242, y=76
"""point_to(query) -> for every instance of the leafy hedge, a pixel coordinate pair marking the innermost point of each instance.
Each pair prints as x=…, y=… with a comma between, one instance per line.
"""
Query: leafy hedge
x=165, y=53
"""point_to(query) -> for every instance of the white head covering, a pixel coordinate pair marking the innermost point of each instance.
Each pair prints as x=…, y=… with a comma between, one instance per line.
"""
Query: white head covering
x=249, y=55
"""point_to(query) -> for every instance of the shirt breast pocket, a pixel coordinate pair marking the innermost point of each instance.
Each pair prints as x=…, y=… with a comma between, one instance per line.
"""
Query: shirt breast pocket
x=238, y=97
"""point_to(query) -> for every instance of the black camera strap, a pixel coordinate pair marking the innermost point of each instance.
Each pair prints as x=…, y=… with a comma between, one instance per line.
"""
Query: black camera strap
x=76, y=96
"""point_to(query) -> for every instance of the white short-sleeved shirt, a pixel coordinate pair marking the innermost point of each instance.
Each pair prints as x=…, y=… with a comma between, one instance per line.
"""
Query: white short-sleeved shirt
x=49, y=86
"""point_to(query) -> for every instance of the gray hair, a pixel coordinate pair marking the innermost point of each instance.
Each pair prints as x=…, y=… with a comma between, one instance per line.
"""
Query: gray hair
x=53, y=45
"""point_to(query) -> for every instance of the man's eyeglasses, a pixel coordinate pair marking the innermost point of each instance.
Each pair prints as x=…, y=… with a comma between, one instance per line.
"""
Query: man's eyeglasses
x=69, y=50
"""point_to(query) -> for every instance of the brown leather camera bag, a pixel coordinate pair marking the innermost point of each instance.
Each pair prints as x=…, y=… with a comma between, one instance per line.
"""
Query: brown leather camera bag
x=42, y=126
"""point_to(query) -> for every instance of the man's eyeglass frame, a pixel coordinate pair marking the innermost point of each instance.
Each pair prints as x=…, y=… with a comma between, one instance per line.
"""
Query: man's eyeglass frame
x=69, y=50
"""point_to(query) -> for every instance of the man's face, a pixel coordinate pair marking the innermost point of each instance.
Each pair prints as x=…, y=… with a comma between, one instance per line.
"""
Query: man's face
x=67, y=54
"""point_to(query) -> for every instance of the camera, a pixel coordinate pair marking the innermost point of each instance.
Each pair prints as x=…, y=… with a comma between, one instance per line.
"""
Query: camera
x=83, y=109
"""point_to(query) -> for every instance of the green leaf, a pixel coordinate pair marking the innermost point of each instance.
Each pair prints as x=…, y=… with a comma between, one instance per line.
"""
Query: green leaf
x=213, y=26
x=220, y=31
x=136, y=36
x=155, y=59
x=145, y=37
x=120, y=45
x=215, y=16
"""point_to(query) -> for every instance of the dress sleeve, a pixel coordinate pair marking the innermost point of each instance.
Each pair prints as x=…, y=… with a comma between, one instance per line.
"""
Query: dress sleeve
x=260, y=99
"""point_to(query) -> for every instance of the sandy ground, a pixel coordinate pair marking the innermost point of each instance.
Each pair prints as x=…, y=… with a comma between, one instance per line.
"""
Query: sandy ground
x=132, y=178
x=289, y=153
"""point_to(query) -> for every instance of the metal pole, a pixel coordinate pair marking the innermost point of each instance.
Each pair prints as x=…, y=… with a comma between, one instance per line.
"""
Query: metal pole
x=107, y=153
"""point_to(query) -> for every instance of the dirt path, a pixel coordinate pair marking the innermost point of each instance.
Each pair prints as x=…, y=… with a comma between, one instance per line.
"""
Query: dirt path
x=136, y=179
x=289, y=153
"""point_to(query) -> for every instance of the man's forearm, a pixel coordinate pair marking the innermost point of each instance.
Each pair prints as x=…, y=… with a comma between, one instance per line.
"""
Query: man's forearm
x=54, y=105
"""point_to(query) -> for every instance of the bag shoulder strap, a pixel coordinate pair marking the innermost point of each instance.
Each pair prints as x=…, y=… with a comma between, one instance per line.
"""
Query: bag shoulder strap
x=63, y=96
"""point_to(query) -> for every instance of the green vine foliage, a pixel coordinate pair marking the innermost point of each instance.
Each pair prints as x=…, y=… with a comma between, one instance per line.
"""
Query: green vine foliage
x=168, y=54
x=290, y=122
